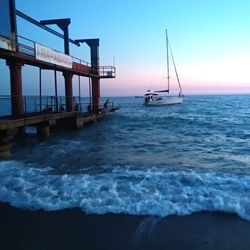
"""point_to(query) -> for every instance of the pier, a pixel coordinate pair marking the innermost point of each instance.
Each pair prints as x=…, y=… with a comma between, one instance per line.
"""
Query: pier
x=44, y=112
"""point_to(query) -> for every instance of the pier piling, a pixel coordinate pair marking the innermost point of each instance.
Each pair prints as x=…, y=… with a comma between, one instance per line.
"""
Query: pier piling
x=5, y=145
x=43, y=129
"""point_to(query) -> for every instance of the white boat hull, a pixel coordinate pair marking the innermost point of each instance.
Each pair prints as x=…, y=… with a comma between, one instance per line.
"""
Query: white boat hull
x=169, y=100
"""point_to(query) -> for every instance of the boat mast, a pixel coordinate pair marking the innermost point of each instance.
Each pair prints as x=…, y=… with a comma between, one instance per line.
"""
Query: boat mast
x=167, y=58
x=176, y=73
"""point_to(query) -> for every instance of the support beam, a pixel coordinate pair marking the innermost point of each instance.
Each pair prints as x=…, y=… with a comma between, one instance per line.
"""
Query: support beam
x=16, y=88
x=40, y=89
x=56, y=96
x=94, y=49
x=79, y=89
x=94, y=54
x=68, y=91
x=63, y=24
x=95, y=95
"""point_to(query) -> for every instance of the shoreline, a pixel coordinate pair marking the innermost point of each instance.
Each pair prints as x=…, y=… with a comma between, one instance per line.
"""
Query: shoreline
x=73, y=229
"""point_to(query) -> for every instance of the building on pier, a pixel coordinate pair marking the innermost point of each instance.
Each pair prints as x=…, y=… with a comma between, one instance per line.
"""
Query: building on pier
x=61, y=111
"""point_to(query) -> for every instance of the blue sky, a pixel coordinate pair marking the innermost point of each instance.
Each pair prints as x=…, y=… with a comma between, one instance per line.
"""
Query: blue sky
x=210, y=40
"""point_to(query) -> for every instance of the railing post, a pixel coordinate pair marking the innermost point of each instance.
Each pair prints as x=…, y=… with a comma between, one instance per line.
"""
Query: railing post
x=25, y=106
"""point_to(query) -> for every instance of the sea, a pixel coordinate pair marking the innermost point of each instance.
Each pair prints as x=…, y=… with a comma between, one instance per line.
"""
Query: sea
x=168, y=160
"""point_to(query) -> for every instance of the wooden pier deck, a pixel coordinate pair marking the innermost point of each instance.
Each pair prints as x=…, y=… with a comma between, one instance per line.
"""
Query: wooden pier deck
x=44, y=122
x=77, y=119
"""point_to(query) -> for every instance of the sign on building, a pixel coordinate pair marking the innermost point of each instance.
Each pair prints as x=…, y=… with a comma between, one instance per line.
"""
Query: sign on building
x=49, y=55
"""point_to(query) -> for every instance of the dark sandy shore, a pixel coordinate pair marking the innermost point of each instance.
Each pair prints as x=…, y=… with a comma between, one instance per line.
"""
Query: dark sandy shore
x=71, y=229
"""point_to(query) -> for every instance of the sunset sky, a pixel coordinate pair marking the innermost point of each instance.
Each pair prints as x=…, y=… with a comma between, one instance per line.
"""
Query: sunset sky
x=210, y=40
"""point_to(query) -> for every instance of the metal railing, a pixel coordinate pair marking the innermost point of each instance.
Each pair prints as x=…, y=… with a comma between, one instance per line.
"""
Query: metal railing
x=79, y=61
x=43, y=104
x=107, y=71
x=27, y=47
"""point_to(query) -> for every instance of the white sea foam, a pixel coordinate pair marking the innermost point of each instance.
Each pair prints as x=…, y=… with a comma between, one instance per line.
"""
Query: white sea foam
x=142, y=192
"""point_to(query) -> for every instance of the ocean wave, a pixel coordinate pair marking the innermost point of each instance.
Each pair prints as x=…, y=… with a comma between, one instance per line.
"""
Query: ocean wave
x=161, y=161
x=126, y=189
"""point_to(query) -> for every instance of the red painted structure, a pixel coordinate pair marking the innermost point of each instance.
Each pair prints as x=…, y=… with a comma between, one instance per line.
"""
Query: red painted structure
x=18, y=54
x=17, y=57
x=16, y=87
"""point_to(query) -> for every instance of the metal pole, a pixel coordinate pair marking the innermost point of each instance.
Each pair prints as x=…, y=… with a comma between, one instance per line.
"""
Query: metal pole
x=90, y=98
x=25, y=106
x=167, y=58
x=40, y=88
x=79, y=86
x=66, y=40
x=56, y=91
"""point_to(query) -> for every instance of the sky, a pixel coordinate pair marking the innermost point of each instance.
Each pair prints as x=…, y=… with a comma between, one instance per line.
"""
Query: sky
x=210, y=40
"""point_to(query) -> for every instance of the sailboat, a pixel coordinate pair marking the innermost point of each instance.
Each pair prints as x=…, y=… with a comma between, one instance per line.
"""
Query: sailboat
x=156, y=98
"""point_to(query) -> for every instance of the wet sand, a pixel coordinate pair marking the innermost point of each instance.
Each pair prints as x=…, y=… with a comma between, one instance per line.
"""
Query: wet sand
x=71, y=229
